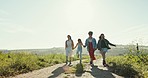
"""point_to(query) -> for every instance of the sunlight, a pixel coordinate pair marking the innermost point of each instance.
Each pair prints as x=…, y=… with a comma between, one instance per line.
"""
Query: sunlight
x=79, y=12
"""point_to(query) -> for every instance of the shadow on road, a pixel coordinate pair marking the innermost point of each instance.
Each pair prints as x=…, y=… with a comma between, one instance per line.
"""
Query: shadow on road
x=99, y=73
x=57, y=72
x=79, y=70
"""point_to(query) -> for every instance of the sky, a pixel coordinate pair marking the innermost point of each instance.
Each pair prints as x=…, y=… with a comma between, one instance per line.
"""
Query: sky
x=27, y=24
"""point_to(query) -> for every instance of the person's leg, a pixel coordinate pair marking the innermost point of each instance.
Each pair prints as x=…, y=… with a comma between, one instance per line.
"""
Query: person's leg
x=66, y=59
x=80, y=56
x=70, y=57
x=103, y=57
x=77, y=54
x=104, y=62
x=70, y=60
x=67, y=54
x=90, y=57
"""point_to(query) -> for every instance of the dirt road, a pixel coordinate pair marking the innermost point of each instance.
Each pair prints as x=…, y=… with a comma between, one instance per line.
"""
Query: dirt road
x=58, y=71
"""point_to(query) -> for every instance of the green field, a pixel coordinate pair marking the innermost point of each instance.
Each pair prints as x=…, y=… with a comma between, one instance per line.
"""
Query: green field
x=17, y=63
x=124, y=61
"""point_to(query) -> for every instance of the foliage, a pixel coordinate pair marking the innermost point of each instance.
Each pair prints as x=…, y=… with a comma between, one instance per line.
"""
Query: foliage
x=130, y=65
x=23, y=62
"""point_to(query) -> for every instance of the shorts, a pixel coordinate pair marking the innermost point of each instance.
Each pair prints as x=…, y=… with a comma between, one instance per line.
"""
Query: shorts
x=104, y=49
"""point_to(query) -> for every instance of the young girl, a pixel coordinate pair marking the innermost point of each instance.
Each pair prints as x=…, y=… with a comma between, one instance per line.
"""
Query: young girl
x=79, y=49
x=103, y=46
x=69, y=46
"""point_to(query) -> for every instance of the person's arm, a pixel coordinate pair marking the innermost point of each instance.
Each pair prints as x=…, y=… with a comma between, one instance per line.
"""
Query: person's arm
x=85, y=43
x=82, y=44
x=110, y=43
x=95, y=44
x=98, y=45
x=76, y=45
x=65, y=44
x=72, y=44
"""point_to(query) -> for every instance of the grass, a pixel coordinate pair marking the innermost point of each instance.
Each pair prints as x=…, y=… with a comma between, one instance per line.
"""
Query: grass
x=23, y=62
x=130, y=65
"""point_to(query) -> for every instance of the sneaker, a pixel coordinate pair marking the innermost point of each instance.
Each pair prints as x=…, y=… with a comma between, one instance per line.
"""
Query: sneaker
x=106, y=65
x=66, y=63
x=104, y=62
x=91, y=62
x=69, y=64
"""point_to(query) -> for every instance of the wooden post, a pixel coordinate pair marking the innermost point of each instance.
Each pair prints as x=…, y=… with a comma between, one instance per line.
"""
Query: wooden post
x=137, y=48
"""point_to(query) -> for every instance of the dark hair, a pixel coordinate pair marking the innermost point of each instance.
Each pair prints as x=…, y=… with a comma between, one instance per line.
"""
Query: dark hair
x=69, y=36
x=90, y=32
x=79, y=40
x=101, y=35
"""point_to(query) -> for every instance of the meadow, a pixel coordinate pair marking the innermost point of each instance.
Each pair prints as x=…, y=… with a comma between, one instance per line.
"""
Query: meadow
x=133, y=64
x=124, y=61
x=17, y=63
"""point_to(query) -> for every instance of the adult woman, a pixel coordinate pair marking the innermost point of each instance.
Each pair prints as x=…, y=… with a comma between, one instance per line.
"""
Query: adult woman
x=103, y=46
x=69, y=45
x=91, y=46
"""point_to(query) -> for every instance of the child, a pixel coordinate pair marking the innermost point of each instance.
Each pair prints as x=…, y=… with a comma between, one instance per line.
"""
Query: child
x=79, y=49
x=103, y=46
x=69, y=45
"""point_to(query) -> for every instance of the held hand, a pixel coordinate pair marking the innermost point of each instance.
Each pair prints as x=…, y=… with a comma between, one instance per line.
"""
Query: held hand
x=73, y=48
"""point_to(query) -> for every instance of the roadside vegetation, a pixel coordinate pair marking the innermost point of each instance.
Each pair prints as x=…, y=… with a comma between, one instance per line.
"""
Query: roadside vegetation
x=134, y=64
x=16, y=63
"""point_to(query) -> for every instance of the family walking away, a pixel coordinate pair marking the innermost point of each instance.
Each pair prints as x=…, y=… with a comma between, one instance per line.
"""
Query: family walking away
x=69, y=46
x=90, y=43
x=103, y=46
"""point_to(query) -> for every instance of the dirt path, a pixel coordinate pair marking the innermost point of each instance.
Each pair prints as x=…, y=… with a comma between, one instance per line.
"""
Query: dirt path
x=57, y=71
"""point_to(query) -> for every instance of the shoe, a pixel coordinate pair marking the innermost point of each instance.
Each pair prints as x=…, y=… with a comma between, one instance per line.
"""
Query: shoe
x=91, y=62
x=69, y=64
x=104, y=64
x=66, y=63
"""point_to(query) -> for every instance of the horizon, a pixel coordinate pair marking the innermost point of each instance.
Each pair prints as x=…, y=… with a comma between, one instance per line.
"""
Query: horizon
x=29, y=24
x=118, y=46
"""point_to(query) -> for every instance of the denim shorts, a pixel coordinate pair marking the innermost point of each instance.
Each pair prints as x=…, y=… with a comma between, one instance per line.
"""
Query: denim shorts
x=104, y=49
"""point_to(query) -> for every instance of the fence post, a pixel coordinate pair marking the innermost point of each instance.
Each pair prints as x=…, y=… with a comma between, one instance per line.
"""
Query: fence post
x=137, y=48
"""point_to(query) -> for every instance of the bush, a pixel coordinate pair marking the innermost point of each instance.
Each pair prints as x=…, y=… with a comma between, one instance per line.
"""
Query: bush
x=129, y=65
x=16, y=63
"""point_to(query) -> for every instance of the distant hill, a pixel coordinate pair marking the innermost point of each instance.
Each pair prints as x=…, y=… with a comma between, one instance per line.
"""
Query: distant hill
x=119, y=50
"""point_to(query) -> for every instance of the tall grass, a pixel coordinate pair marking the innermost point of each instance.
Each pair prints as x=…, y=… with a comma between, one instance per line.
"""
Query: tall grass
x=16, y=63
x=130, y=65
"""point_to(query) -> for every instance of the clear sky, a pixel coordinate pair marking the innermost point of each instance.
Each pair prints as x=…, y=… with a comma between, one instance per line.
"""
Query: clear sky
x=46, y=23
